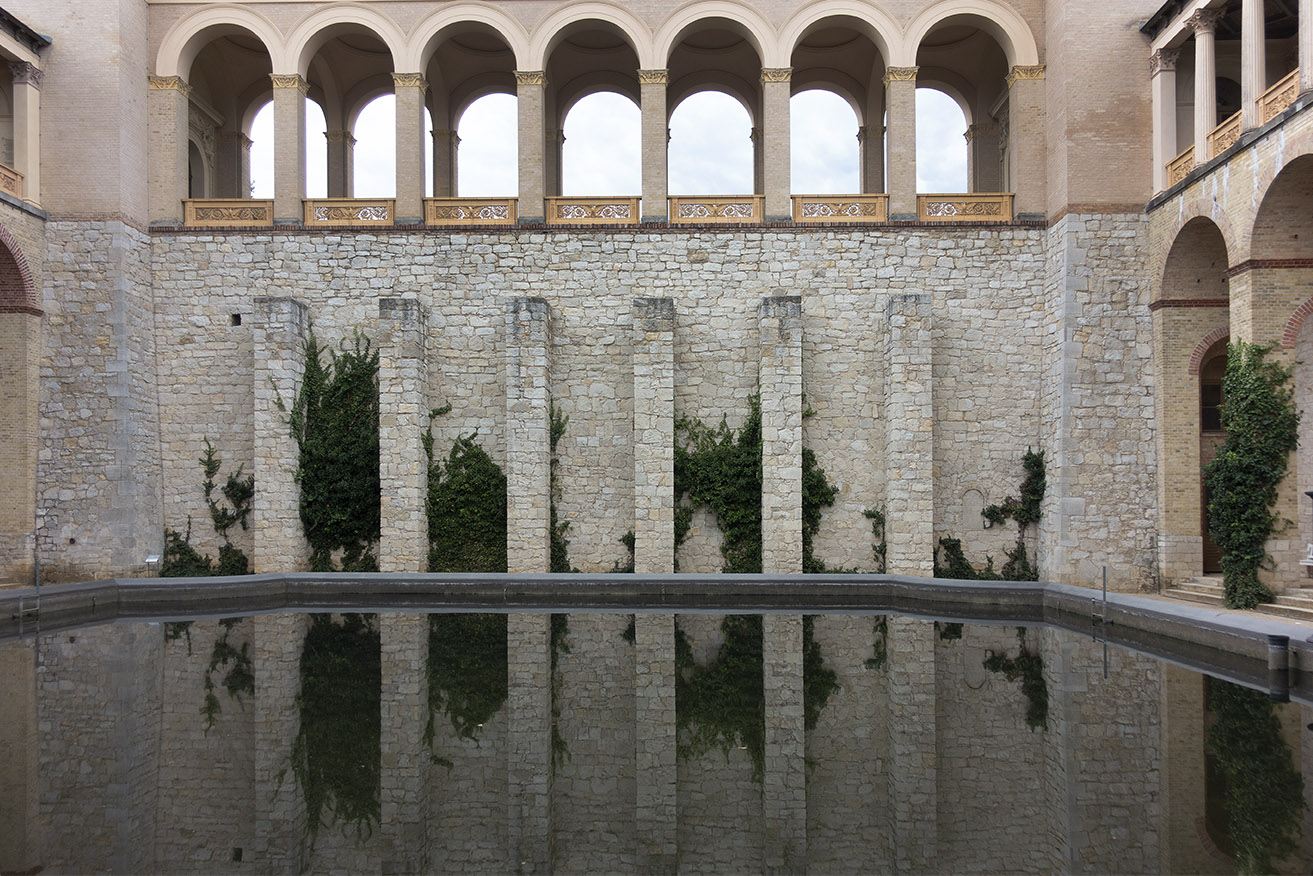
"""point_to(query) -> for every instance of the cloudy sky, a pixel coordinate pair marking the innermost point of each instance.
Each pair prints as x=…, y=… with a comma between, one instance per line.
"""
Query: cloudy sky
x=710, y=147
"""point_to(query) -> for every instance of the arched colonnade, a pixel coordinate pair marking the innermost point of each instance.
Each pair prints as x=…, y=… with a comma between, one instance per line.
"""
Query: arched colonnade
x=216, y=67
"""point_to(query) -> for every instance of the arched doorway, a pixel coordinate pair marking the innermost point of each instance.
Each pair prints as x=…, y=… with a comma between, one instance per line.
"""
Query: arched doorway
x=1211, y=437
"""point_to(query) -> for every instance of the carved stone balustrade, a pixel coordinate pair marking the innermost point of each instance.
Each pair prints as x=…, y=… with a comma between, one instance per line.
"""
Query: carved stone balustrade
x=227, y=213
x=11, y=181
x=982, y=207
x=840, y=208
x=716, y=210
x=470, y=211
x=1275, y=100
x=592, y=211
x=350, y=211
x=1221, y=138
x=1180, y=166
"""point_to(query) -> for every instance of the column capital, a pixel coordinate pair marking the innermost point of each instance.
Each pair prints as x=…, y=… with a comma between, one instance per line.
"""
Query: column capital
x=1019, y=73
x=530, y=77
x=340, y=137
x=1163, y=61
x=409, y=80
x=170, y=83
x=443, y=135
x=230, y=137
x=982, y=129
x=1205, y=20
x=290, y=80
x=653, y=77
x=24, y=73
x=776, y=74
x=900, y=74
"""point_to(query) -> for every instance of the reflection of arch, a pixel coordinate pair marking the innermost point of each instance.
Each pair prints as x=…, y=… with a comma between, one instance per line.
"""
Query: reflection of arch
x=186, y=38
x=1205, y=345
x=1005, y=25
x=557, y=26
x=321, y=26
x=435, y=30
x=737, y=17
x=872, y=23
x=17, y=291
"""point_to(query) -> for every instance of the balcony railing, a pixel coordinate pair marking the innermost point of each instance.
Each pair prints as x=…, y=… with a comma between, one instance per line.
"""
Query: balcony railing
x=1274, y=101
x=227, y=212
x=592, y=211
x=350, y=211
x=11, y=181
x=840, y=208
x=1223, y=136
x=470, y=211
x=1180, y=166
x=983, y=207
x=717, y=210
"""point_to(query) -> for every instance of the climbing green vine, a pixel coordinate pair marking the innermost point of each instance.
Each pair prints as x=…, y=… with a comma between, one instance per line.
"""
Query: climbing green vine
x=180, y=559
x=1262, y=428
x=1027, y=667
x=466, y=510
x=1264, y=793
x=1025, y=512
x=334, y=419
x=336, y=754
x=560, y=545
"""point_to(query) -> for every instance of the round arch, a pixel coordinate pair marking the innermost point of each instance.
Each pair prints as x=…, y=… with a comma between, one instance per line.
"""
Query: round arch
x=594, y=83
x=551, y=30
x=741, y=18
x=871, y=22
x=1206, y=208
x=316, y=29
x=475, y=89
x=834, y=81
x=732, y=86
x=187, y=37
x=1196, y=263
x=1283, y=226
x=1004, y=24
x=20, y=296
x=1207, y=344
x=949, y=83
x=434, y=30
x=355, y=100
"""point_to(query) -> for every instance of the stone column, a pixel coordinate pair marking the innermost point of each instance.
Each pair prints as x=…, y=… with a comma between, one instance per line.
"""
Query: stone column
x=412, y=90
x=232, y=172
x=909, y=435
x=27, y=129
x=403, y=390
x=20, y=430
x=982, y=158
x=528, y=450
x=529, y=743
x=20, y=800
x=403, y=714
x=278, y=336
x=341, y=164
x=779, y=324
x=784, y=779
x=280, y=819
x=913, y=778
x=1305, y=46
x=445, y=144
x=1204, y=23
x=554, y=150
x=656, y=765
x=758, y=161
x=870, y=147
x=775, y=93
x=1162, y=69
x=654, y=436
x=289, y=147
x=530, y=88
x=1253, y=62
x=656, y=140
x=900, y=106
x=169, y=110
x=1026, y=150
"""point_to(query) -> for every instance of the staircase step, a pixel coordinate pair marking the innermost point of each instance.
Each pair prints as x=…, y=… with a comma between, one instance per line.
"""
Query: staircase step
x=1199, y=594
x=1298, y=611
x=1202, y=589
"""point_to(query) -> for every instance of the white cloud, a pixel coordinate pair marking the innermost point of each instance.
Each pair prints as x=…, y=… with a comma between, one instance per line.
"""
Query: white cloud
x=710, y=146
x=603, y=147
x=941, y=149
x=823, y=151
x=488, y=162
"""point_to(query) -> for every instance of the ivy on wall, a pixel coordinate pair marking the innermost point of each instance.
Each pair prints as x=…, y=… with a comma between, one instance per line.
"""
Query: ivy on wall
x=334, y=419
x=336, y=755
x=466, y=510
x=1028, y=668
x=1264, y=793
x=1025, y=512
x=1262, y=428
x=180, y=559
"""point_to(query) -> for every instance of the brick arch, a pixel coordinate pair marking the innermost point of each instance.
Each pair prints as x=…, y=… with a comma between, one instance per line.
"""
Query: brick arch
x=17, y=291
x=1197, y=357
x=1202, y=206
x=1294, y=324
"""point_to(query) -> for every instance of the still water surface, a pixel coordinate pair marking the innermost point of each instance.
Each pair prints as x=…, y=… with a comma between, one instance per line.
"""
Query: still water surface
x=593, y=743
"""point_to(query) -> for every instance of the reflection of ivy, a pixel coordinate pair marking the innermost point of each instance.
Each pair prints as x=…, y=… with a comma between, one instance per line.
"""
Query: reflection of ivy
x=818, y=682
x=1264, y=794
x=336, y=755
x=560, y=644
x=467, y=671
x=238, y=680
x=1029, y=668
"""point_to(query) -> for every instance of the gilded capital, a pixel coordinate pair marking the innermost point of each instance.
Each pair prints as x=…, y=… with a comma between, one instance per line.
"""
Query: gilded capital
x=1019, y=73
x=776, y=74
x=170, y=83
x=653, y=77
x=291, y=80
x=409, y=80
x=1163, y=61
x=24, y=73
x=900, y=74
x=1205, y=20
x=530, y=77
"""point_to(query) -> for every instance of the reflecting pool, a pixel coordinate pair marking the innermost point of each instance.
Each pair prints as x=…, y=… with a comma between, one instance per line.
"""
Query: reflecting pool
x=399, y=742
